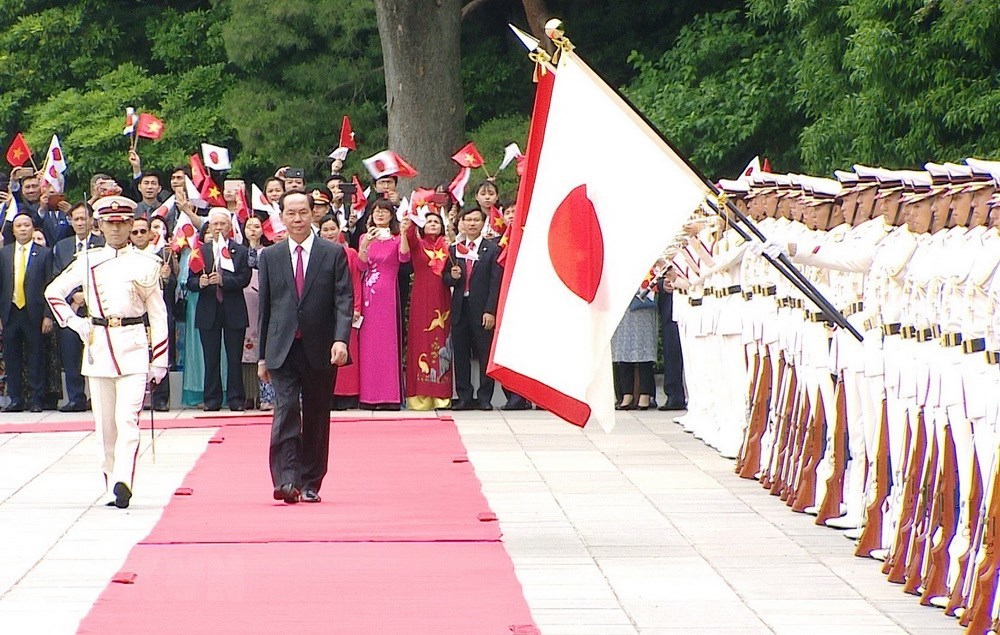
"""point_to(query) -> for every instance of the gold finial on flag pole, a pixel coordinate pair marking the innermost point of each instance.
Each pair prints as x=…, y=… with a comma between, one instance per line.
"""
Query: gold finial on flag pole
x=554, y=31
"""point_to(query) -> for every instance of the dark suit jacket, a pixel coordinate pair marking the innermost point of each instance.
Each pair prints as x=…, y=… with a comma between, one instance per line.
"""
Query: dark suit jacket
x=65, y=251
x=484, y=286
x=324, y=313
x=54, y=225
x=234, y=306
x=36, y=277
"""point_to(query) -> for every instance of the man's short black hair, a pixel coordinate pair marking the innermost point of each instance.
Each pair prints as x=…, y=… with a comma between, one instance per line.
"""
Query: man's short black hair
x=471, y=210
x=281, y=201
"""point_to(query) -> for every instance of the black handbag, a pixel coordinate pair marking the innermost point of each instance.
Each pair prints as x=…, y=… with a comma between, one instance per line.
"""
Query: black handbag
x=180, y=308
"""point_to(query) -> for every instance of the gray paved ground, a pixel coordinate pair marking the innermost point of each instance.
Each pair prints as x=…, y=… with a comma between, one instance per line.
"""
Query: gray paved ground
x=645, y=530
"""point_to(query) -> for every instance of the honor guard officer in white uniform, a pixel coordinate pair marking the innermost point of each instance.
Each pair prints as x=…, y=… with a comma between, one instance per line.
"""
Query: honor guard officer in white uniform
x=124, y=335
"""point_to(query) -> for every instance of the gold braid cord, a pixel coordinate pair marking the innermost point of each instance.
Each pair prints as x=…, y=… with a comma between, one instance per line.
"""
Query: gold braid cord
x=563, y=45
x=541, y=60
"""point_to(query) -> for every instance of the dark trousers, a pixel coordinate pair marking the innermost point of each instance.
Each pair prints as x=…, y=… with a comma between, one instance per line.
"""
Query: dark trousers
x=211, y=341
x=71, y=351
x=625, y=378
x=23, y=336
x=467, y=337
x=300, y=436
x=673, y=358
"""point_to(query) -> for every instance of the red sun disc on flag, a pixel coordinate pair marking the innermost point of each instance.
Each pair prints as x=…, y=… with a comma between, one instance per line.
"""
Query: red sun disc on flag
x=213, y=156
x=379, y=166
x=576, y=244
x=225, y=252
x=56, y=154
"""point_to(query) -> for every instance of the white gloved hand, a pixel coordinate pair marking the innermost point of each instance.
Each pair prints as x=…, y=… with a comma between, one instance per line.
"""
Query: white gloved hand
x=774, y=249
x=156, y=374
x=755, y=248
x=81, y=326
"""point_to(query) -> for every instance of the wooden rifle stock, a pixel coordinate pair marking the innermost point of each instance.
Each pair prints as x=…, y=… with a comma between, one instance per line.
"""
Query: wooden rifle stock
x=784, y=432
x=922, y=523
x=830, y=507
x=871, y=535
x=791, y=476
x=758, y=420
x=977, y=513
x=896, y=562
x=812, y=454
x=777, y=408
x=741, y=455
x=978, y=616
x=944, y=520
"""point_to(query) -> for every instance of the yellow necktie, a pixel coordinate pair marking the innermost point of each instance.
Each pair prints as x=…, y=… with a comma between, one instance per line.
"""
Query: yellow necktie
x=20, y=266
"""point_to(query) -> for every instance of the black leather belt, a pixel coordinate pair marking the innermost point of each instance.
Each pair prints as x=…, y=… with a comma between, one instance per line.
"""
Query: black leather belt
x=694, y=301
x=117, y=321
x=951, y=339
x=818, y=316
x=908, y=332
x=721, y=293
x=768, y=290
x=977, y=345
x=891, y=329
x=925, y=335
x=993, y=357
x=853, y=308
x=709, y=290
x=747, y=295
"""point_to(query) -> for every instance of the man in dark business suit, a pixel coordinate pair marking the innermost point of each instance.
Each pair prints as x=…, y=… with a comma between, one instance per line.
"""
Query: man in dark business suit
x=221, y=314
x=673, y=359
x=475, y=281
x=304, y=317
x=25, y=270
x=70, y=345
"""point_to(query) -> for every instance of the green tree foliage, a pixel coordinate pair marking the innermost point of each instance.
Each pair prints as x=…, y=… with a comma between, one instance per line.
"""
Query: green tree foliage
x=822, y=84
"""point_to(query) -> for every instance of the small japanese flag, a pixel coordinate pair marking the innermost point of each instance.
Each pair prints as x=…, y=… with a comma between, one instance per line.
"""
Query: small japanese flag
x=215, y=157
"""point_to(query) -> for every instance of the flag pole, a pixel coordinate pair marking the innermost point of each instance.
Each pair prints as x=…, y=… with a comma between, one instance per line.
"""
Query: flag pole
x=783, y=264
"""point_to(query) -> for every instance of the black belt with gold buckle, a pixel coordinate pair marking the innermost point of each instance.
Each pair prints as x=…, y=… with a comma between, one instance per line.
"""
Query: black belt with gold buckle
x=694, y=301
x=891, y=329
x=977, y=345
x=993, y=357
x=114, y=322
x=951, y=339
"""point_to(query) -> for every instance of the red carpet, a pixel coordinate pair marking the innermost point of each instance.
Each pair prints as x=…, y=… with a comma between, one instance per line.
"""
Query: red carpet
x=314, y=588
x=388, y=480
x=203, y=421
x=397, y=546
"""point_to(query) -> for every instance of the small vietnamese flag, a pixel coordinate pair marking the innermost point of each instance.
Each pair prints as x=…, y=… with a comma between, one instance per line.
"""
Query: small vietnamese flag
x=18, y=152
x=360, y=200
x=196, y=263
x=468, y=157
x=149, y=126
x=347, y=135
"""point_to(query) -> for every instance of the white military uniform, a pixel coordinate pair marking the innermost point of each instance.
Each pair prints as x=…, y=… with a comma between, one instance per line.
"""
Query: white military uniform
x=123, y=294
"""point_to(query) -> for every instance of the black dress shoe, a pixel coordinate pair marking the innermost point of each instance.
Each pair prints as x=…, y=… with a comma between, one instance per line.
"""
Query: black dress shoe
x=161, y=407
x=74, y=407
x=673, y=405
x=485, y=407
x=35, y=407
x=628, y=406
x=122, y=495
x=212, y=408
x=462, y=405
x=14, y=407
x=237, y=408
x=311, y=496
x=288, y=493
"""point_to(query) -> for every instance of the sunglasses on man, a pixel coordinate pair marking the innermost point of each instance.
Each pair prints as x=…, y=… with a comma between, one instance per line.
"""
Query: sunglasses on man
x=139, y=232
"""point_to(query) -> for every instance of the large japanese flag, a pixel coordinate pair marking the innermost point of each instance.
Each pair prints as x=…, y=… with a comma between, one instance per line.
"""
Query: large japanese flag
x=579, y=247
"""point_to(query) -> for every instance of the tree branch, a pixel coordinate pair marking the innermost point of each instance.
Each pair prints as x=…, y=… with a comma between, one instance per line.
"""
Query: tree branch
x=472, y=5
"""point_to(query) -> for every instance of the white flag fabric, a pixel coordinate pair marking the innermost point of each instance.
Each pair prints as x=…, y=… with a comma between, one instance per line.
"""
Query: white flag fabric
x=55, y=166
x=215, y=157
x=579, y=248
x=382, y=164
x=510, y=153
x=459, y=183
x=752, y=169
x=220, y=249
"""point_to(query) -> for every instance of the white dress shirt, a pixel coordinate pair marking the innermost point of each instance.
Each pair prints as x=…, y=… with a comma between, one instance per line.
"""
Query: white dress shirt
x=306, y=248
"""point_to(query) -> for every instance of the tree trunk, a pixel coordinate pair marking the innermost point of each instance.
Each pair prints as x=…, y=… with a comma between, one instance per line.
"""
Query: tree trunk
x=537, y=14
x=421, y=48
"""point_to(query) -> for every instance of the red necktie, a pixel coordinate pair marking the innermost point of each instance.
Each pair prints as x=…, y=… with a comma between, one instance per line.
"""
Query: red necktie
x=468, y=265
x=300, y=273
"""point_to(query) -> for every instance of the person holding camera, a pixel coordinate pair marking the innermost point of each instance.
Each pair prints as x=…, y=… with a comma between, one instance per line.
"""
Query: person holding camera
x=381, y=253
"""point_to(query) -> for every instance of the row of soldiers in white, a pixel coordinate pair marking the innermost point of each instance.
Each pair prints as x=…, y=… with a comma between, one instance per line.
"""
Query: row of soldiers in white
x=893, y=439
x=124, y=333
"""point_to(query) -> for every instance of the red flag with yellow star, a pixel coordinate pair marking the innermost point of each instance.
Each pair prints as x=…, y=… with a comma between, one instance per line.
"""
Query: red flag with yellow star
x=468, y=156
x=149, y=126
x=210, y=192
x=18, y=152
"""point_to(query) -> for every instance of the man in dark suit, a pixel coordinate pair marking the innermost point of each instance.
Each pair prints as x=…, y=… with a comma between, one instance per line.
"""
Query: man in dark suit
x=305, y=312
x=221, y=314
x=673, y=359
x=70, y=345
x=25, y=270
x=475, y=281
